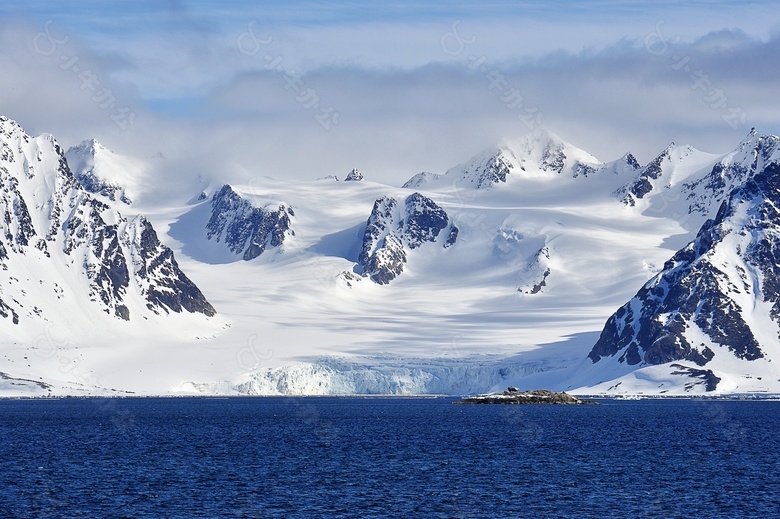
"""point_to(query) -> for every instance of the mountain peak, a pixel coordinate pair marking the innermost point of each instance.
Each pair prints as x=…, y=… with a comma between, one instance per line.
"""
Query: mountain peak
x=545, y=152
x=7, y=124
x=544, y=135
x=720, y=292
x=629, y=159
x=759, y=142
x=101, y=171
x=540, y=154
x=89, y=147
x=354, y=176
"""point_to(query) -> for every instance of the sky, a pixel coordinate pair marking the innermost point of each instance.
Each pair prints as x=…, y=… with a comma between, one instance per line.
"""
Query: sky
x=227, y=91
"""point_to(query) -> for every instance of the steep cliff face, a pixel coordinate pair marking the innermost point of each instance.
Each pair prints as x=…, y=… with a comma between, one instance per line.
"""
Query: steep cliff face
x=162, y=283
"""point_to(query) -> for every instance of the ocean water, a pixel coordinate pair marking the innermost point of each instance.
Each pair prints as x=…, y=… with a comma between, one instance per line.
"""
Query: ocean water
x=387, y=457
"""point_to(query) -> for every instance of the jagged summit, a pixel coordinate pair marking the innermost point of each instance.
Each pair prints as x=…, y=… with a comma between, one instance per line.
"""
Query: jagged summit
x=545, y=151
x=395, y=229
x=539, y=155
x=354, y=176
x=9, y=127
x=692, y=184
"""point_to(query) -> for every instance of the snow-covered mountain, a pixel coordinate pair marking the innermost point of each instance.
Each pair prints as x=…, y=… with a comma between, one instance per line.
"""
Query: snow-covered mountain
x=420, y=179
x=70, y=258
x=538, y=155
x=501, y=270
x=716, y=303
x=692, y=184
x=354, y=176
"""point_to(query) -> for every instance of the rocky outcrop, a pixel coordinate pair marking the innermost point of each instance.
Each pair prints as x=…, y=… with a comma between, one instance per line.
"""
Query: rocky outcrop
x=534, y=276
x=247, y=230
x=394, y=229
x=700, y=377
x=535, y=396
x=164, y=286
x=354, y=176
x=643, y=184
x=705, y=194
x=493, y=170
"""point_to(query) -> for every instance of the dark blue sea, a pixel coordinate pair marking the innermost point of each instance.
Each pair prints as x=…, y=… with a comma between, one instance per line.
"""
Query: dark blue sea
x=387, y=457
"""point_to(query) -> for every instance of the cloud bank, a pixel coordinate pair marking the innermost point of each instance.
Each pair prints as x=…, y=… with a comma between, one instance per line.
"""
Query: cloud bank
x=413, y=90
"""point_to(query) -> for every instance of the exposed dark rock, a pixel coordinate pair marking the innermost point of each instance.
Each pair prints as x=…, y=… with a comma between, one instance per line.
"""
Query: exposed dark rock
x=631, y=161
x=92, y=237
x=536, y=273
x=583, y=170
x=6, y=311
x=536, y=396
x=553, y=158
x=452, y=237
x=541, y=284
x=752, y=155
x=706, y=376
x=392, y=230
x=643, y=184
x=354, y=176
x=165, y=286
x=95, y=185
x=495, y=170
x=245, y=229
